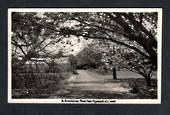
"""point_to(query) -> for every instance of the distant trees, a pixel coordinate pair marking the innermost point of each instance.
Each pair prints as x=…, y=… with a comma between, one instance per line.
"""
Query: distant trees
x=89, y=57
x=73, y=63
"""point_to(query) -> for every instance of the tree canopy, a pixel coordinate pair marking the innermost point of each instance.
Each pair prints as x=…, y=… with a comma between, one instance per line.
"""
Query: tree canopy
x=136, y=31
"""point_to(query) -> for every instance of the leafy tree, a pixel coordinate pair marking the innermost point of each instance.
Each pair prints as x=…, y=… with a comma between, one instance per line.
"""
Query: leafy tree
x=136, y=31
x=30, y=36
x=120, y=57
x=120, y=28
x=89, y=57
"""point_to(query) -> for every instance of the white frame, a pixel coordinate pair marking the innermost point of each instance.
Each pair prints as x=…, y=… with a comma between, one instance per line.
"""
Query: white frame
x=59, y=101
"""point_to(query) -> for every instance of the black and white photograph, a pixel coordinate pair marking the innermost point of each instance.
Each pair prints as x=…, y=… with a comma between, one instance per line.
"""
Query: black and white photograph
x=84, y=55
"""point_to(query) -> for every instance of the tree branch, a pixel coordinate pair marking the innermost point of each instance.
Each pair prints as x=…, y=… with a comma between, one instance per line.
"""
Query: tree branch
x=139, y=27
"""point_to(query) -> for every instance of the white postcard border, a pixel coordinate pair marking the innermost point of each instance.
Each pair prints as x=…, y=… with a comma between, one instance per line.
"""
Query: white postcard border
x=91, y=101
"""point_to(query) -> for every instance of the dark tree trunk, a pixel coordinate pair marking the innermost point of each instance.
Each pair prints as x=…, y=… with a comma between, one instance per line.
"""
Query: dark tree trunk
x=148, y=77
x=114, y=73
x=148, y=81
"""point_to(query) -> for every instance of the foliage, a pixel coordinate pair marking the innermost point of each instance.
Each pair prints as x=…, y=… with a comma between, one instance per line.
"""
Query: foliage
x=135, y=31
x=54, y=68
x=88, y=56
x=72, y=60
x=73, y=63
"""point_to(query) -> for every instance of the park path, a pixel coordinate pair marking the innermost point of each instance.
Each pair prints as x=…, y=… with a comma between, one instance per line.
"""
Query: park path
x=92, y=81
x=88, y=84
x=88, y=81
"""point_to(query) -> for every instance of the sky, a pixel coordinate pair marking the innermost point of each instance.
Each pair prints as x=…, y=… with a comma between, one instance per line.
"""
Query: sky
x=73, y=48
x=67, y=48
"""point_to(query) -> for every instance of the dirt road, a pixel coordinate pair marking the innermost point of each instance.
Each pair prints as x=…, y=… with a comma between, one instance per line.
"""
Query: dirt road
x=87, y=80
x=88, y=84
